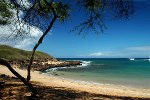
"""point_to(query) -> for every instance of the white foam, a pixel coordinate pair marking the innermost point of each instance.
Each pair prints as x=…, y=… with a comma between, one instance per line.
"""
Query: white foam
x=140, y=59
x=83, y=64
x=131, y=58
x=147, y=59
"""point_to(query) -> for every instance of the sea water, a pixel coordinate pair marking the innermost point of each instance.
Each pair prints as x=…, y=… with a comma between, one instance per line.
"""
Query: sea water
x=117, y=71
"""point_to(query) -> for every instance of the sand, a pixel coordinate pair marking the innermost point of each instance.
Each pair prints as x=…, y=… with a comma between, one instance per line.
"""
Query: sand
x=54, y=81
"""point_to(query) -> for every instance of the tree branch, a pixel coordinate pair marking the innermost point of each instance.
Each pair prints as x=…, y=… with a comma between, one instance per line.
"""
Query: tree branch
x=36, y=46
x=29, y=85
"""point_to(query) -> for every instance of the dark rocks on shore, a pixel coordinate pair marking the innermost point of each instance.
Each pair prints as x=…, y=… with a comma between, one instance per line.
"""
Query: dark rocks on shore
x=74, y=62
x=42, y=64
x=40, y=67
x=2, y=84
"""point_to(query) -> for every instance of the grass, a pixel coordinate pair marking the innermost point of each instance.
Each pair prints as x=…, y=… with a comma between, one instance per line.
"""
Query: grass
x=9, y=53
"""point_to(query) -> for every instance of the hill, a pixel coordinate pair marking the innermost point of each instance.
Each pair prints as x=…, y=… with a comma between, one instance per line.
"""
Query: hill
x=41, y=62
x=14, y=54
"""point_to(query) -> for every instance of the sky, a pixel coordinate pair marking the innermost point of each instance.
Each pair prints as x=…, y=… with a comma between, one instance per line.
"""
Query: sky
x=122, y=38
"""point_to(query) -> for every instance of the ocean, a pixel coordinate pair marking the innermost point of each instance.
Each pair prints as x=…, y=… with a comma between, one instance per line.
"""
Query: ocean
x=117, y=71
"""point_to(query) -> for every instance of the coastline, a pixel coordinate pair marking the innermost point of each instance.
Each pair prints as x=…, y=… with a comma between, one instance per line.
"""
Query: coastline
x=104, y=89
x=44, y=65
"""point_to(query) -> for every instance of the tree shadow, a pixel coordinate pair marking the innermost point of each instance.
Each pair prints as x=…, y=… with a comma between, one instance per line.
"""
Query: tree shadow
x=15, y=89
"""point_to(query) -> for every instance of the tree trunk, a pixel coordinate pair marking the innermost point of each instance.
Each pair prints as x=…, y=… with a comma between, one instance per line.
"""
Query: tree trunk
x=36, y=46
x=28, y=84
x=27, y=81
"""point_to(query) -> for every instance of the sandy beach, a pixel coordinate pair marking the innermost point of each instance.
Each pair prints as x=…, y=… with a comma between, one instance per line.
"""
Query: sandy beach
x=54, y=81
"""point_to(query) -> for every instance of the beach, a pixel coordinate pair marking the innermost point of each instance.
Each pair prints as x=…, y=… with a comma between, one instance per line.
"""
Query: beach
x=104, y=89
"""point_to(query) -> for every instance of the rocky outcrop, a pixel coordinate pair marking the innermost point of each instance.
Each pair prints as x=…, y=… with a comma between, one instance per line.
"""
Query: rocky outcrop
x=42, y=67
x=42, y=61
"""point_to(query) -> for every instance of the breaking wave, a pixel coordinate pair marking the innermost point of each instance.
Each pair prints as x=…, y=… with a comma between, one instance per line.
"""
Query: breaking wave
x=83, y=64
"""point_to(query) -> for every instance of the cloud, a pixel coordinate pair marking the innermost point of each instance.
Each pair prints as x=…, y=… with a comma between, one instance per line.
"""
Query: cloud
x=24, y=3
x=96, y=54
x=26, y=42
x=139, y=48
x=109, y=54
x=100, y=54
x=29, y=34
x=119, y=54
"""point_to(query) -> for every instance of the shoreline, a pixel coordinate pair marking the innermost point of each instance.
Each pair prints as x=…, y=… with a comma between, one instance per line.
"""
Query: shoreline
x=47, y=64
x=98, y=83
x=54, y=81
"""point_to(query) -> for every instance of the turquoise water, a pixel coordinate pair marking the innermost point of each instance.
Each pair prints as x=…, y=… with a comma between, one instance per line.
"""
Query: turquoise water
x=126, y=72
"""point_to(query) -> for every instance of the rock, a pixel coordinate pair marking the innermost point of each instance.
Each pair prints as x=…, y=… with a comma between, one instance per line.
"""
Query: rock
x=3, y=76
x=45, y=63
x=74, y=63
x=2, y=84
x=43, y=67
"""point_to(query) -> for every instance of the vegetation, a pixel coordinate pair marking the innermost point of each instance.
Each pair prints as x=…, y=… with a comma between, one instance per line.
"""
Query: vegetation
x=5, y=13
x=11, y=54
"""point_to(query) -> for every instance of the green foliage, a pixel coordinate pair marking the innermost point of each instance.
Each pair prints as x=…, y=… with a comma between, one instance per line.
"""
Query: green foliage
x=42, y=8
x=61, y=10
x=47, y=10
x=10, y=53
x=95, y=11
x=93, y=4
x=5, y=13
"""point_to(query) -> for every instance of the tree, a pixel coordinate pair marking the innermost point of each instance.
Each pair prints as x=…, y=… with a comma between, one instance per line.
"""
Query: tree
x=5, y=13
x=44, y=13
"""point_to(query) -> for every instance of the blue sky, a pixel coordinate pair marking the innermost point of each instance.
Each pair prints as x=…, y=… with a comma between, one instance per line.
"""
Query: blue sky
x=122, y=38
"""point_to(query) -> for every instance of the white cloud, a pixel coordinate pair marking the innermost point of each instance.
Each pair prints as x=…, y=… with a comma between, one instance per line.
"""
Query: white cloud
x=96, y=54
x=24, y=3
x=99, y=54
x=26, y=42
x=139, y=48
x=117, y=54
x=12, y=29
